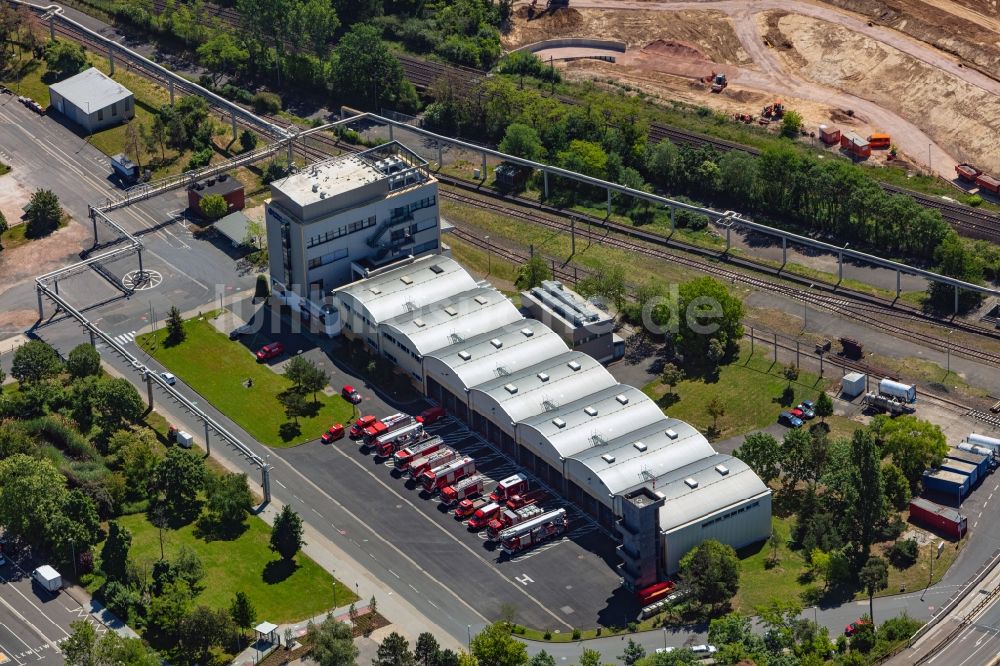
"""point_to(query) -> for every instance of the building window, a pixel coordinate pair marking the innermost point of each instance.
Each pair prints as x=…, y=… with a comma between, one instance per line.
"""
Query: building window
x=340, y=231
x=114, y=109
x=100, y=114
x=316, y=262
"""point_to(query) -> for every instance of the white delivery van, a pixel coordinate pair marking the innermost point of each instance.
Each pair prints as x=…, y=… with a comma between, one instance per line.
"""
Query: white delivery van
x=47, y=577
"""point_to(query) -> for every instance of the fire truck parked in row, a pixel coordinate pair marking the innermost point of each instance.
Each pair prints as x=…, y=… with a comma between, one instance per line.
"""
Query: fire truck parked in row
x=387, y=444
x=483, y=516
x=533, y=532
x=401, y=459
x=385, y=426
x=437, y=478
x=423, y=463
x=507, y=488
x=467, y=488
x=526, y=499
x=509, y=518
x=467, y=507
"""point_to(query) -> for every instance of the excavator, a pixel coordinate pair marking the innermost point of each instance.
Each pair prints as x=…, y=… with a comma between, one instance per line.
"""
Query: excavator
x=773, y=111
x=550, y=5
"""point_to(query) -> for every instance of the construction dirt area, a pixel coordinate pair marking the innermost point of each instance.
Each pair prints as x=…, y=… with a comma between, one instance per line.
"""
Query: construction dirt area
x=925, y=72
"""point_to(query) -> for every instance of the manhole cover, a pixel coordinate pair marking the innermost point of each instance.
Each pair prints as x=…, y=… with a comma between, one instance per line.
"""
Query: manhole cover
x=137, y=281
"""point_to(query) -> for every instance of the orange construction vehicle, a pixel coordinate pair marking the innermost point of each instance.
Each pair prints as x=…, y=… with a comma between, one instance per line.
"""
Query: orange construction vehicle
x=773, y=111
x=879, y=140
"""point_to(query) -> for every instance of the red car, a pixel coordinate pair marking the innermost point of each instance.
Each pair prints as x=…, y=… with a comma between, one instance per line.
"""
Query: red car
x=429, y=416
x=335, y=432
x=270, y=351
x=798, y=413
x=350, y=395
x=853, y=627
x=359, y=426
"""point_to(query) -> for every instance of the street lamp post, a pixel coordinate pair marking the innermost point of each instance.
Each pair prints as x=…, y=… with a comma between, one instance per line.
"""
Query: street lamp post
x=333, y=572
x=468, y=629
x=664, y=638
x=489, y=256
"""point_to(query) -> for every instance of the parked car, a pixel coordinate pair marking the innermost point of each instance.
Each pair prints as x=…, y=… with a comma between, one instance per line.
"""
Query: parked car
x=359, y=426
x=350, y=395
x=432, y=414
x=168, y=378
x=790, y=420
x=704, y=649
x=797, y=413
x=665, y=650
x=335, y=432
x=853, y=627
x=270, y=351
x=806, y=409
x=238, y=331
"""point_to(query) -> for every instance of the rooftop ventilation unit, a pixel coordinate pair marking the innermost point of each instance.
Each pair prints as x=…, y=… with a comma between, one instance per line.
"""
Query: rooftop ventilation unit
x=597, y=440
x=406, y=279
x=502, y=371
x=410, y=306
x=510, y=388
x=527, y=332
x=542, y=377
x=497, y=342
x=591, y=411
x=622, y=398
x=722, y=469
x=573, y=365
x=550, y=405
x=481, y=300
x=455, y=338
x=437, y=270
x=639, y=446
x=464, y=355
x=559, y=423
x=691, y=482
x=451, y=311
x=608, y=458
x=375, y=290
x=419, y=323
x=672, y=434
x=315, y=187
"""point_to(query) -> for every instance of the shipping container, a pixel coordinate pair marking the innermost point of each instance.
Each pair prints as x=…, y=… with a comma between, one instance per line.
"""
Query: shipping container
x=967, y=172
x=942, y=519
x=879, y=140
x=855, y=145
x=906, y=392
x=852, y=348
x=854, y=384
x=988, y=182
x=949, y=484
x=991, y=443
x=829, y=135
x=959, y=467
x=982, y=462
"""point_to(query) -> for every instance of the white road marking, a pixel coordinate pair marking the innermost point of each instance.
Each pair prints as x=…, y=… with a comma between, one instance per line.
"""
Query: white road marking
x=27, y=622
x=125, y=338
x=30, y=650
x=281, y=484
x=394, y=573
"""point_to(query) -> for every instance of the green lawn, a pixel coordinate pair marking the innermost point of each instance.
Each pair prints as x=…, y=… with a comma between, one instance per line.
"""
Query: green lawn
x=216, y=367
x=750, y=387
x=245, y=563
x=4, y=169
x=758, y=584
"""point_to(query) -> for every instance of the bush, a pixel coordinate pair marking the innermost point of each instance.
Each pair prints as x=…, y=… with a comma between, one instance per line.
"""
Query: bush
x=811, y=595
x=632, y=627
x=274, y=170
x=576, y=634
x=214, y=206
x=200, y=159
x=547, y=636
x=266, y=102
x=248, y=140
x=903, y=554
x=973, y=200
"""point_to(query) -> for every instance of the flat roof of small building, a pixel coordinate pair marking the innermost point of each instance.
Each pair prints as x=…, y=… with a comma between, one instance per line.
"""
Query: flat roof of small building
x=567, y=304
x=327, y=179
x=91, y=90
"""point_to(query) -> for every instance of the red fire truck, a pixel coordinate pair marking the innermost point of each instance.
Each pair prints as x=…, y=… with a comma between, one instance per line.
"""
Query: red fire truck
x=512, y=485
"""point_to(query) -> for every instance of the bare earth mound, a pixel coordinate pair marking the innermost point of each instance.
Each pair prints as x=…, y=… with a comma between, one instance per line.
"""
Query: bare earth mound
x=949, y=110
x=710, y=33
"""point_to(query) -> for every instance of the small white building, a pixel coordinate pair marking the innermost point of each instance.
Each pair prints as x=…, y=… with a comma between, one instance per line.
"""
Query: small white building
x=92, y=100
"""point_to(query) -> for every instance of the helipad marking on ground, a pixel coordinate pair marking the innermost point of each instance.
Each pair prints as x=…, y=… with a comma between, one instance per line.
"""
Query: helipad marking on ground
x=524, y=580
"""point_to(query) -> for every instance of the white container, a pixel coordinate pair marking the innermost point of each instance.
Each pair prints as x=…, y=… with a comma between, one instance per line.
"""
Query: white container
x=975, y=448
x=853, y=384
x=47, y=577
x=184, y=439
x=991, y=443
x=905, y=392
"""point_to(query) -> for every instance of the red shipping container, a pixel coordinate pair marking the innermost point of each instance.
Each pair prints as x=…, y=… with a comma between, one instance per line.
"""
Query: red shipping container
x=942, y=519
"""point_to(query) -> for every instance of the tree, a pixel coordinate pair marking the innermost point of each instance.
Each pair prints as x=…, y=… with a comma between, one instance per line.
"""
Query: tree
x=169, y=608
x=867, y=478
x=175, y=327
x=874, y=577
x=532, y=273
x=522, y=141
x=590, y=657
x=543, y=658
x=791, y=373
x=113, y=649
x=83, y=361
x=286, y=533
x=114, y=554
x=824, y=406
x=762, y=452
x=32, y=493
x=157, y=135
x=715, y=408
x=633, y=653
x=606, y=281
x=364, y=69
x=189, y=568
x=896, y=487
x=261, y=289
x=214, y=206
x=713, y=572
x=707, y=312
x=820, y=561
x=426, y=649
x=248, y=140
x=494, y=646
x=306, y=375
x=294, y=403
x=138, y=458
x=201, y=630
x=394, y=650
x=35, y=362
x=222, y=54
x=43, y=214
x=77, y=527
x=229, y=500
x=671, y=376
x=180, y=476
x=117, y=403
x=791, y=124
x=79, y=648
x=64, y=59
x=913, y=444
x=242, y=611
x=333, y=643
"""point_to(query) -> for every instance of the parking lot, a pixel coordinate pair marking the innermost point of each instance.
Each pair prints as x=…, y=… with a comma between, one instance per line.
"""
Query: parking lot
x=567, y=582
x=33, y=621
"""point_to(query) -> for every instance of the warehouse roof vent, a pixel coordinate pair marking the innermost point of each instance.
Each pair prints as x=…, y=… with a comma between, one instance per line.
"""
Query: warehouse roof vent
x=559, y=423
x=497, y=342
x=481, y=300
x=437, y=270
x=464, y=355
x=510, y=388
x=406, y=279
x=418, y=322
x=639, y=446
x=573, y=365
x=608, y=458
x=722, y=469
x=691, y=482
x=671, y=433
x=622, y=398
x=527, y=332
x=591, y=411
x=451, y=311
x=375, y=290
x=542, y=377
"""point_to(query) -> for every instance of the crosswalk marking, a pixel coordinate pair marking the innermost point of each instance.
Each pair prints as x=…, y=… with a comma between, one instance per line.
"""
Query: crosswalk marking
x=125, y=338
